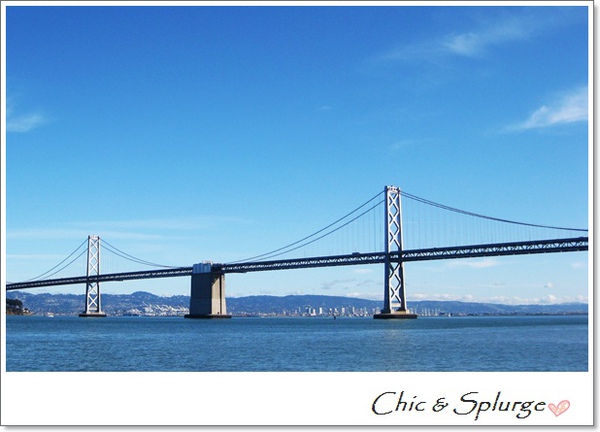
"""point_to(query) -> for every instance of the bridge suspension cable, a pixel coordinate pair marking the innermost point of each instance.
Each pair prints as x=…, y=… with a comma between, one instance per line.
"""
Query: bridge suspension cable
x=352, y=216
x=438, y=250
x=312, y=237
x=467, y=213
x=356, y=214
x=47, y=275
x=113, y=249
x=82, y=249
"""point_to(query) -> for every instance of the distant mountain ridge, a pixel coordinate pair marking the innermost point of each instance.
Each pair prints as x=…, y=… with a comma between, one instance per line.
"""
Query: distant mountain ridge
x=145, y=303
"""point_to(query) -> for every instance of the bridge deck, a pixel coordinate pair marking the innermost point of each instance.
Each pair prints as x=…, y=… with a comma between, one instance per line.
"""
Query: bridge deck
x=494, y=249
x=474, y=251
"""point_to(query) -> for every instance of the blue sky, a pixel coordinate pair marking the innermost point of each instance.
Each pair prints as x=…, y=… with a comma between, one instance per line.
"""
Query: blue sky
x=183, y=134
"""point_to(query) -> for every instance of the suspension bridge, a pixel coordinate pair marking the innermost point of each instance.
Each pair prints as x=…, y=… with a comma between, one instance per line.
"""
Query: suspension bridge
x=439, y=238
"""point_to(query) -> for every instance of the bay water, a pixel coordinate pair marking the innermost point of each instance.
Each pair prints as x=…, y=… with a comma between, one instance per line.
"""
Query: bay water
x=427, y=344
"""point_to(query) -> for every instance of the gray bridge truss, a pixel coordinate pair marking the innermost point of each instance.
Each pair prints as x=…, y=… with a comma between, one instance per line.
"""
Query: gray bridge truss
x=486, y=250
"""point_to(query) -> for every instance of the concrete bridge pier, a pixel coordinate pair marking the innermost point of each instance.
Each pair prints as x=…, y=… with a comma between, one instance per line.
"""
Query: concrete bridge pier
x=207, y=298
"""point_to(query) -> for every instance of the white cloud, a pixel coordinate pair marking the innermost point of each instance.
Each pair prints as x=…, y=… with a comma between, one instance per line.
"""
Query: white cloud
x=24, y=123
x=64, y=233
x=476, y=41
x=338, y=283
x=440, y=297
x=362, y=271
x=195, y=223
x=471, y=263
x=31, y=257
x=548, y=299
x=399, y=145
x=569, y=107
x=478, y=34
x=473, y=44
x=363, y=295
x=343, y=285
x=139, y=229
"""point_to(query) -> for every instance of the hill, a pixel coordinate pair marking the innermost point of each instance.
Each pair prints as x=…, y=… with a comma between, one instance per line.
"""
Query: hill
x=15, y=307
x=146, y=304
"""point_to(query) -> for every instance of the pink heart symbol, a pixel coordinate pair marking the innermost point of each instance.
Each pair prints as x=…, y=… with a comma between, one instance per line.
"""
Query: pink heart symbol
x=560, y=408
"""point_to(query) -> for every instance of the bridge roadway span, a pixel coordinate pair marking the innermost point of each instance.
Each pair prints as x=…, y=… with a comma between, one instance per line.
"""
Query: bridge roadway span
x=453, y=252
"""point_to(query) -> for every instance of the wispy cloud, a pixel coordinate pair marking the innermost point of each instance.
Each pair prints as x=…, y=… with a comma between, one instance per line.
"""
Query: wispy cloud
x=569, y=107
x=476, y=264
x=468, y=44
x=547, y=299
x=25, y=123
x=36, y=257
x=338, y=283
x=362, y=271
x=439, y=297
x=483, y=36
x=515, y=300
x=77, y=233
x=397, y=146
x=22, y=122
x=140, y=229
x=195, y=223
x=579, y=265
x=475, y=43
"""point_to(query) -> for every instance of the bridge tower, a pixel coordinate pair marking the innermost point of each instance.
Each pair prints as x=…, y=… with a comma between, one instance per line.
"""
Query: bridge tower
x=394, y=295
x=92, y=290
x=207, y=297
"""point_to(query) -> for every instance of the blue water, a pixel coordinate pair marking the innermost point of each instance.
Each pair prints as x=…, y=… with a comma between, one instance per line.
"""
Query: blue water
x=533, y=343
